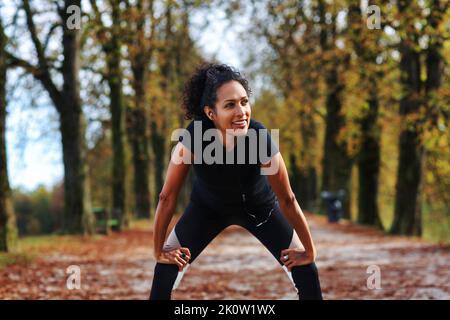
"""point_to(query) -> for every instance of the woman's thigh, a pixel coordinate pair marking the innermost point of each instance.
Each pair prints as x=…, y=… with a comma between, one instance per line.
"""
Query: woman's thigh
x=276, y=234
x=195, y=229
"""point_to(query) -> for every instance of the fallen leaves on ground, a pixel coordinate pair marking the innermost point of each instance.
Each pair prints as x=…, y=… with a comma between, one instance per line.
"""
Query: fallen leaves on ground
x=234, y=266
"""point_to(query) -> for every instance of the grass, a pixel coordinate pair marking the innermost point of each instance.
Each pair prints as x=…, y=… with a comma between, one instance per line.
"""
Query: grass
x=436, y=229
x=29, y=246
x=141, y=224
x=51, y=241
x=435, y=221
x=10, y=258
x=436, y=225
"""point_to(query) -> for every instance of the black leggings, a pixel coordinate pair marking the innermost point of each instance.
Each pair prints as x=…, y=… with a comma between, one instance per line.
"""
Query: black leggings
x=199, y=225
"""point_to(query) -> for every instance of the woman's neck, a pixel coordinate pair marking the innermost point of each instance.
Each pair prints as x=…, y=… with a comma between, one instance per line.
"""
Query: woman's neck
x=227, y=140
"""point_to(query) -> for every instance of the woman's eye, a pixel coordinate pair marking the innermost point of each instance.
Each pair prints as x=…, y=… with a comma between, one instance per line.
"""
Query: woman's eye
x=229, y=105
x=244, y=102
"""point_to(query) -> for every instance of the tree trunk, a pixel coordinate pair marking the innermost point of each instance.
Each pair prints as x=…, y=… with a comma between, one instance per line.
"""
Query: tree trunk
x=139, y=140
x=78, y=216
x=407, y=214
x=369, y=153
x=159, y=151
x=168, y=78
x=141, y=51
x=311, y=182
x=308, y=175
x=434, y=61
x=8, y=228
x=336, y=163
x=78, y=212
x=369, y=165
x=117, y=109
x=294, y=178
x=139, y=137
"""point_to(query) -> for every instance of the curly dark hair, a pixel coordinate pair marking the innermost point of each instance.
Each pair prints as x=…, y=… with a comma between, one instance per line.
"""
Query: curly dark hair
x=201, y=88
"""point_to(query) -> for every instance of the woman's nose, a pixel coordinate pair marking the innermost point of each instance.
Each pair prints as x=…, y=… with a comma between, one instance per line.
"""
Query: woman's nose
x=241, y=110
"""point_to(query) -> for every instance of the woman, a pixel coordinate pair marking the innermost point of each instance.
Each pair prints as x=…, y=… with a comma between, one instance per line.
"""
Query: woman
x=229, y=189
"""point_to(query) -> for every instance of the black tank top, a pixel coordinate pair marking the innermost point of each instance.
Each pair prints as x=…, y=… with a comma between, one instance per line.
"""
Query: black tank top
x=224, y=184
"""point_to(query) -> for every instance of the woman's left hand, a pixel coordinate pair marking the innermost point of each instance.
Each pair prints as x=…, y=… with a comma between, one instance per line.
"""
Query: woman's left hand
x=296, y=257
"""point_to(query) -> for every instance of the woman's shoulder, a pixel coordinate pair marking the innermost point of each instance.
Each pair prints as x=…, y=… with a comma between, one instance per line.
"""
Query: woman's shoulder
x=200, y=123
x=194, y=130
x=272, y=145
x=204, y=125
x=255, y=124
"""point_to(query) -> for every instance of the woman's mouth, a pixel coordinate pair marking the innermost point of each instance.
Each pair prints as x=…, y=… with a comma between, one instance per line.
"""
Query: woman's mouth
x=241, y=124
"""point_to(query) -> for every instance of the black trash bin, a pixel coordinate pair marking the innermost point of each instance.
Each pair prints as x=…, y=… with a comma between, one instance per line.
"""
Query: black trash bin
x=334, y=202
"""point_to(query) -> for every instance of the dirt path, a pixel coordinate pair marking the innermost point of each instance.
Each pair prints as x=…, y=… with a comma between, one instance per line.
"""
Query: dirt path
x=236, y=266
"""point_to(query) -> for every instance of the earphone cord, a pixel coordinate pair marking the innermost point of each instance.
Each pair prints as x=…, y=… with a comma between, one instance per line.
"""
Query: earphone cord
x=244, y=203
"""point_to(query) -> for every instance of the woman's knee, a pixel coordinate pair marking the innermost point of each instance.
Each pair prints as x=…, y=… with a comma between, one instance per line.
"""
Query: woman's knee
x=306, y=270
x=164, y=278
x=306, y=279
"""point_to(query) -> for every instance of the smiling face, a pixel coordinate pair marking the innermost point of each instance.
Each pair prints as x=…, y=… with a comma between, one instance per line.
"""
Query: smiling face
x=232, y=110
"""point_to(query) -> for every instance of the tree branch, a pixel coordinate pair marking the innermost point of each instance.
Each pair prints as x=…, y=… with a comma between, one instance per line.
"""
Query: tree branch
x=13, y=61
x=32, y=28
x=47, y=38
x=42, y=75
x=102, y=38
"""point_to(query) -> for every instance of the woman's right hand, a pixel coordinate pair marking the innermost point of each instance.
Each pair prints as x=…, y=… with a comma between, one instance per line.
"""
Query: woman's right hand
x=179, y=256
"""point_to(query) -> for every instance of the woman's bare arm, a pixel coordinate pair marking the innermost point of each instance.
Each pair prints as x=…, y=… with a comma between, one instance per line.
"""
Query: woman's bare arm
x=176, y=174
x=289, y=205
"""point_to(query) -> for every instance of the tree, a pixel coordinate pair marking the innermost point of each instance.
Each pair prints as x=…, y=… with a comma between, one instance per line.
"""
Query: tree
x=8, y=228
x=336, y=164
x=289, y=33
x=366, y=46
x=140, y=53
x=416, y=105
x=111, y=39
x=78, y=215
x=176, y=58
x=184, y=57
x=407, y=209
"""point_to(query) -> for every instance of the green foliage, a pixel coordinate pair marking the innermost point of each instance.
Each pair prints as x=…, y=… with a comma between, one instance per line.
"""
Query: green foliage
x=34, y=211
x=22, y=258
x=303, y=54
x=298, y=58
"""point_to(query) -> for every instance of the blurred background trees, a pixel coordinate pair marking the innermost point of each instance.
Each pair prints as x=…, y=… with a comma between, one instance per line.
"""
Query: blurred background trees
x=65, y=96
x=8, y=228
x=362, y=104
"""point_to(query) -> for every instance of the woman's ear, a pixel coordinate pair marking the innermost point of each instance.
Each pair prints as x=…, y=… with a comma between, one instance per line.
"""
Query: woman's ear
x=209, y=112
